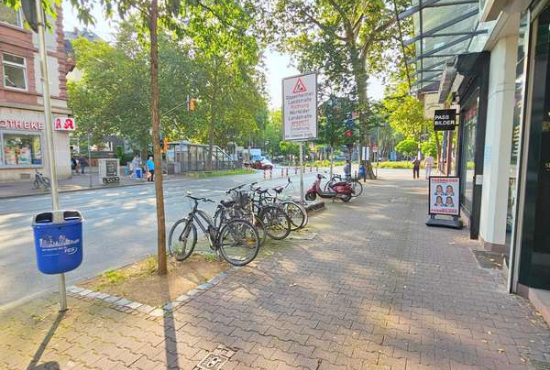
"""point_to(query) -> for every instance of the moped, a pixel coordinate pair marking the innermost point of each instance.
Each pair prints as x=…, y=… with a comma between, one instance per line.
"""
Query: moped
x=341, y=190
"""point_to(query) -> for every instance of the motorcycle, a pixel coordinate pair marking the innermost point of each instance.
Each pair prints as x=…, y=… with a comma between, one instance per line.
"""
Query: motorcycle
x=341, y=190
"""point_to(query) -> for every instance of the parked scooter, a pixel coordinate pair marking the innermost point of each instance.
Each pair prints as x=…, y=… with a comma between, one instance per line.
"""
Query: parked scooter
x=341, y=190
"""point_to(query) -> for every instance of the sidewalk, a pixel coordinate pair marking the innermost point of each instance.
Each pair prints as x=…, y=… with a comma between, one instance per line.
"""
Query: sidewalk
x=74, y=183
x=375, y=290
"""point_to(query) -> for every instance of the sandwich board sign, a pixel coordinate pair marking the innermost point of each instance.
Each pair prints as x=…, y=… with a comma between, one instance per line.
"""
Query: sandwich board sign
x=300, y=107
x=443, y=200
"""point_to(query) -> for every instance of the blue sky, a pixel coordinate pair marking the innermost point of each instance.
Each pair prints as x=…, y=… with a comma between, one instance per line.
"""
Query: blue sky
x=278, y=65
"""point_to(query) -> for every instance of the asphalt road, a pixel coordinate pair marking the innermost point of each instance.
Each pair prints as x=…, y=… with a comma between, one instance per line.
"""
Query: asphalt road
x=119, y=228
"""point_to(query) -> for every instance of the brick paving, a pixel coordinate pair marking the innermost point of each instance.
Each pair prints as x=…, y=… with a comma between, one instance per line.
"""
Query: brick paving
x=375, y=290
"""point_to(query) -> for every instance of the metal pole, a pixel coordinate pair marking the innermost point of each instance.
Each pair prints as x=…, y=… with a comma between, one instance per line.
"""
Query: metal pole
x=302, y=172
x=49, y=133
x=89, y=158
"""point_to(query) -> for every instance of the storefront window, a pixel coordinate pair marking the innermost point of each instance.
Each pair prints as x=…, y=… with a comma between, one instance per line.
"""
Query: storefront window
x=15, y=71
x=468, y=151
x=21, y=149
x=518, y=118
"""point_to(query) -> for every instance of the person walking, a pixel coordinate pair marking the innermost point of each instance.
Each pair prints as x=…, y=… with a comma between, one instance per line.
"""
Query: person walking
x=82, y=162
x=136, y=166
x=151, y=168
x=428, y=163
x=363, y=171
x=74, y=166
x=416, y=168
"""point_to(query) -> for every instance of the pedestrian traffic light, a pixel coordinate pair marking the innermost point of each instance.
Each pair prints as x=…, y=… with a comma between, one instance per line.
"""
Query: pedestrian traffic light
x=348, y=133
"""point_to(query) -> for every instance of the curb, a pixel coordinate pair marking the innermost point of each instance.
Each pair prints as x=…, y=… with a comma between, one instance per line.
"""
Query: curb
x=126, y=304
x=315, y=207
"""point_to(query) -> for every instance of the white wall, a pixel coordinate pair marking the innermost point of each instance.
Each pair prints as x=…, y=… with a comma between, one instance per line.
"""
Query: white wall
x=498, y=139
x=53, y=75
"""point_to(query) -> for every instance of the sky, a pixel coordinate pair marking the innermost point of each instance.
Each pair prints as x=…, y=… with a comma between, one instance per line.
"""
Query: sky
x=278, y=65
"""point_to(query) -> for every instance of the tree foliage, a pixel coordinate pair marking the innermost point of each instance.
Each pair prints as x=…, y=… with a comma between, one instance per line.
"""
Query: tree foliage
x=408, y=147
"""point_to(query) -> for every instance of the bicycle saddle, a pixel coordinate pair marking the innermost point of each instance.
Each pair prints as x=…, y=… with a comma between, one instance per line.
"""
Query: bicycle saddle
x=278, y=189
x=227, y=202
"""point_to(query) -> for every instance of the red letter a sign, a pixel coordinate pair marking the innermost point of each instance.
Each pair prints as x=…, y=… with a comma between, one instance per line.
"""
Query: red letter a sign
x=299, y=88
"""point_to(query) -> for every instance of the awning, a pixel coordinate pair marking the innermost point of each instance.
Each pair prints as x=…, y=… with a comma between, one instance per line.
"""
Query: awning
x=443, y=29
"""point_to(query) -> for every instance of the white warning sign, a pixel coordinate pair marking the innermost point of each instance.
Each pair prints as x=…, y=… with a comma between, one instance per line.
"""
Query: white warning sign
x=300, y=107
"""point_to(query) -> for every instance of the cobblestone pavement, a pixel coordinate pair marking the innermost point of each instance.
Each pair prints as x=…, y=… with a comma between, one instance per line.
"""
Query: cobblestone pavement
x=376, y=290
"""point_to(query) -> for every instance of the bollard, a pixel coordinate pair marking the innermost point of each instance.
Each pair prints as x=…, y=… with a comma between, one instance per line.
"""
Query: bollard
x=310, y=169
x=287, y=172
x=282, y=172
x=295, y=170
x=317, y=168
x=270, y=174
x=264, y=174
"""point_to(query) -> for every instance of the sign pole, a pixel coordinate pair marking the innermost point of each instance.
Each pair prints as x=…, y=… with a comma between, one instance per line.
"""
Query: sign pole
x=302, y=172
x=49, y=133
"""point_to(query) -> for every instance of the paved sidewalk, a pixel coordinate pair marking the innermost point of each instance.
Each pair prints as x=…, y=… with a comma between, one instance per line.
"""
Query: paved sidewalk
x=74, y=183
x=376, y=290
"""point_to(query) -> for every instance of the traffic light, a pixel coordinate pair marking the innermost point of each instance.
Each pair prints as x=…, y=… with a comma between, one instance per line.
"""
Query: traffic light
x=348, y=133
x=192, y=105
x=166, y=146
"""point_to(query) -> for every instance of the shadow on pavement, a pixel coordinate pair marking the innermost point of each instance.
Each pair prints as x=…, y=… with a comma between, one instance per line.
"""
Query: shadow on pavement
x=51, y=365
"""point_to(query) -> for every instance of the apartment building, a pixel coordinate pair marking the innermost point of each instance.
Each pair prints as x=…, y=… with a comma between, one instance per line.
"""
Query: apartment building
x=23, y=145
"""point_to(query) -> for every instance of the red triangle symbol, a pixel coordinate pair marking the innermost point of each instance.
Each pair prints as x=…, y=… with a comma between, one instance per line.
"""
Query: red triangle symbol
x=300, y=87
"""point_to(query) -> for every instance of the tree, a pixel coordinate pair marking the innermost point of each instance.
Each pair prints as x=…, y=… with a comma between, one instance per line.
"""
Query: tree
x=351, y=40
x=408, y=147
x=405, y=113
x=148, y=13
x=429, y=148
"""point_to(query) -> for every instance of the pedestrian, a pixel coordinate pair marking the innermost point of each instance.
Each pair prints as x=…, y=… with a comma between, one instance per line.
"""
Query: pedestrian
x=363, y=171
x=151, y=167
x=74, y=165
x=428, y=164
x=347, y=170
x=416, y=168
x=136, y=164
x=82, y=162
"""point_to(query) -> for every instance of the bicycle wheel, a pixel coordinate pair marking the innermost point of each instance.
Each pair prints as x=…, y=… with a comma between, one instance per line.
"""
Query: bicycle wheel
x=239, y=242
x=296, y=214
x=276, y=221
x=47, y=183
x=357, y=188
x=182, y=239
x=36, y=184
x=260, y=228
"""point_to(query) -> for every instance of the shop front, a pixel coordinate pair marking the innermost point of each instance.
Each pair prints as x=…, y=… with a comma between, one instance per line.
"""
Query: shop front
x=531, y=217
x=23, y=146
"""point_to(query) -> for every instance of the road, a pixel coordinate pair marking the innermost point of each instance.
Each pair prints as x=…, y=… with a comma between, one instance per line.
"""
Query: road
x=119, y=228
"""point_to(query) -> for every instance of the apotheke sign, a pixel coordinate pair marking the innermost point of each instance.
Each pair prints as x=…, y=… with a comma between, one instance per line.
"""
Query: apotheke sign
x=64, y=124
x=21, y=124
x=445, y=120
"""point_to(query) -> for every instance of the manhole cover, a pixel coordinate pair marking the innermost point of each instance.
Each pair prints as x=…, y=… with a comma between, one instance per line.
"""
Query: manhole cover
x=212, y=362
x=539, y=365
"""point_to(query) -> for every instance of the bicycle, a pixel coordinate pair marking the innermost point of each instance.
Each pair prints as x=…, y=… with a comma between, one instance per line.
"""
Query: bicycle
x=41, y=180
x=276, y=220
x=236, y=240
x=355, y=184
x=295, y=211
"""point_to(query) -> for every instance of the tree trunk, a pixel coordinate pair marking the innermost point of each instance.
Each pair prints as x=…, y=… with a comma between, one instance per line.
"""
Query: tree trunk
x=210, y=145
x=161, y=223
x=360, y=76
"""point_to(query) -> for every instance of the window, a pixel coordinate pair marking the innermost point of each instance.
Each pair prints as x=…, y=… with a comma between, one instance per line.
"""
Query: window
x=21, y=150
x=15, y=71
x=10, y=16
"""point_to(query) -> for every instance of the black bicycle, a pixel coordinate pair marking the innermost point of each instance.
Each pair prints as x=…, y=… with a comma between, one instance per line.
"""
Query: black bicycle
x=237, y=240
x=41, y=181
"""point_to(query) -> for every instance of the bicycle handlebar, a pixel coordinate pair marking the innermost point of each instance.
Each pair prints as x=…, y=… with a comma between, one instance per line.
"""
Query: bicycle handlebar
x=201, y=199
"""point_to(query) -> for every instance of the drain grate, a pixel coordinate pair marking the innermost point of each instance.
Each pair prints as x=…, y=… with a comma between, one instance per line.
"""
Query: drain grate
x=216, y=359
x=212, y=362
x=539, y=365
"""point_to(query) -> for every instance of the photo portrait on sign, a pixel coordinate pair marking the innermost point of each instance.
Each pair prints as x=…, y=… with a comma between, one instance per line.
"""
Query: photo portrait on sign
x=443, y=196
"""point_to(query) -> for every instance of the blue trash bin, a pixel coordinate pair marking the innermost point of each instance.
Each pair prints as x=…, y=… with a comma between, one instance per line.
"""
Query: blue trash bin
x=58, y=241
x=139, y=173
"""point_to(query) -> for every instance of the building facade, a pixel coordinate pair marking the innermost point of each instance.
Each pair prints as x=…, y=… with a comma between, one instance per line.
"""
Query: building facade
x=23, y=144
x=491, y=59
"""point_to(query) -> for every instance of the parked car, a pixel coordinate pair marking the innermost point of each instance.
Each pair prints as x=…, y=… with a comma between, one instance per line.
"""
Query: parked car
x=262, y=164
